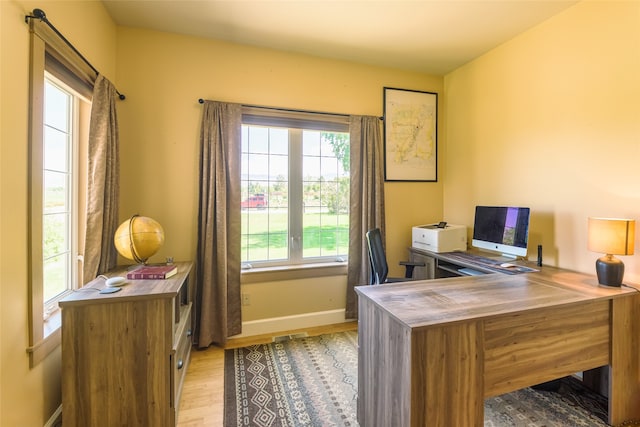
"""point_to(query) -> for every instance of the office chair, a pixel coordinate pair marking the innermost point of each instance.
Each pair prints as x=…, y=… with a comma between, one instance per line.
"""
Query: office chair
x=378, y=261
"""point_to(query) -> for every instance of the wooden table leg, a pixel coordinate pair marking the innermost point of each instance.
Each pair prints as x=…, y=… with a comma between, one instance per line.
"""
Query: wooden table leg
x=447, y=386
x=624, y=371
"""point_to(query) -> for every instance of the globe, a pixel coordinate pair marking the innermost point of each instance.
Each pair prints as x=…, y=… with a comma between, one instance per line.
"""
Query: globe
x=138, y=238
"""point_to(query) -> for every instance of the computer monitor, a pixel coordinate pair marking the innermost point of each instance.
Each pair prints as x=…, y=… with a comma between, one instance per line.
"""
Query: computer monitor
x=501, y=228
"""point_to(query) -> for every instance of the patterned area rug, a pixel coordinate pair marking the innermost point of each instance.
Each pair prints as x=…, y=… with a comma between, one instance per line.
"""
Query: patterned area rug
x=312, y=381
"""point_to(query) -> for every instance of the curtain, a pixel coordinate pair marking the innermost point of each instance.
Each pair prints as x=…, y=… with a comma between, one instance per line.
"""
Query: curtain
x=103, y=182
x=366, y=205
x=218, y=310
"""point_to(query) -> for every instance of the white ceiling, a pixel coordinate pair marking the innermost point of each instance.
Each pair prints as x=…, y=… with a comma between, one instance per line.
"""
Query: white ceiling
x=432, y=36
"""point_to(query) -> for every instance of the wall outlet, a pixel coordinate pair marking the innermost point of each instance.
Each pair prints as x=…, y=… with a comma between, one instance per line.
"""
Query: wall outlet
x=246, y=299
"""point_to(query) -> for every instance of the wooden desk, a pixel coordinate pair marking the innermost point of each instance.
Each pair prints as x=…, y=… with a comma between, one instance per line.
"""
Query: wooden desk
x=431, y=351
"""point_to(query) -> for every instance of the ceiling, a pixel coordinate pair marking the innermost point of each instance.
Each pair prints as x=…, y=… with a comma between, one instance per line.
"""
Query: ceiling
x=431, y=36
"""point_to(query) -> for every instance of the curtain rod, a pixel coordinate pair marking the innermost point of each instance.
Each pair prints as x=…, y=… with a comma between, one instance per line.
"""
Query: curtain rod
x=39, y=14
x=201, y=101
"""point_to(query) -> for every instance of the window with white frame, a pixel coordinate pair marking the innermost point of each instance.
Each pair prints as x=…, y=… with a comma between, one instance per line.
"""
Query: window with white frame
x=295, y=189
x=59, y=129
x=59, y=193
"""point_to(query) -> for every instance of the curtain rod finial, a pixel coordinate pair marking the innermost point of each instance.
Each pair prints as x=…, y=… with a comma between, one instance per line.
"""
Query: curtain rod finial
x=39, y=13
x=201, y=101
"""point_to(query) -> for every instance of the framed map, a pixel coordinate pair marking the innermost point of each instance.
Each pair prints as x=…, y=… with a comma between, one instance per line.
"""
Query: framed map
x=410, y=135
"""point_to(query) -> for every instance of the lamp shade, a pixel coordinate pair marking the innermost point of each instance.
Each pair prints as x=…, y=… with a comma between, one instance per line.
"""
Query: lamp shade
x=612, y=236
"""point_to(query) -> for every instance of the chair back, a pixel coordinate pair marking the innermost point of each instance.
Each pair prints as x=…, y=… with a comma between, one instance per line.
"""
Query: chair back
x=377, y=258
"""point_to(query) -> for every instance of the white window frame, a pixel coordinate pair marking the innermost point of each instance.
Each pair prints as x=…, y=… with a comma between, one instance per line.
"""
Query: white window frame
x=296, y=122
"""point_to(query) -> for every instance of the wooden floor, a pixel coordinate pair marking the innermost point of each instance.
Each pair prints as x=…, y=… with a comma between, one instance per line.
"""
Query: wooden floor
x=202, y=402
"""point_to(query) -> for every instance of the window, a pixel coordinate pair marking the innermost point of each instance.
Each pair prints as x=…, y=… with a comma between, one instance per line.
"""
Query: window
x=60, y=89
x=295, y=190
x=59, y=193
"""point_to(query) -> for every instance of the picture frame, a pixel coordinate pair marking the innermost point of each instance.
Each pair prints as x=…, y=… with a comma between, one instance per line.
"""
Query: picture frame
x=410, y=135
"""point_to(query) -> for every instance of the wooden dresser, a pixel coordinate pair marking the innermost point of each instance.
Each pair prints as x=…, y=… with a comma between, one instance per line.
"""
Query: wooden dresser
x=125, y=354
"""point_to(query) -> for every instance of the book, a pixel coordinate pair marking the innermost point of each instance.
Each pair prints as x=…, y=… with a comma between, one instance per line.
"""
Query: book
x=152, y=272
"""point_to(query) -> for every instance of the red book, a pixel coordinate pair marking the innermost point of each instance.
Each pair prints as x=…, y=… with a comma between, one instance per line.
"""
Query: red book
x=152, y=272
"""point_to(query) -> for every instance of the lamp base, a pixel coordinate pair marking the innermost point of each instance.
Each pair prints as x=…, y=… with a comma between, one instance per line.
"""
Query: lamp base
x=610, y=271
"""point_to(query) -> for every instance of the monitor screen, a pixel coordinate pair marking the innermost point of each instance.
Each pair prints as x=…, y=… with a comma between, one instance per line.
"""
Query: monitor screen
x=502, y=229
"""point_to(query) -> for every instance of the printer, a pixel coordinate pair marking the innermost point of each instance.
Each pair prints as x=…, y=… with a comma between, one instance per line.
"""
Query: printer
x=437, y=239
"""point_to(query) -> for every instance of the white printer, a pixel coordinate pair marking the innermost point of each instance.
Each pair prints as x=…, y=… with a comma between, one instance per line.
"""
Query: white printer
x=439, y=239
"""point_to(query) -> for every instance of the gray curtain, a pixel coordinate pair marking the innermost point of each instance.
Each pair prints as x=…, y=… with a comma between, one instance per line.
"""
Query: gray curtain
x=366, y=210
x=103, y=182
x=218, y=310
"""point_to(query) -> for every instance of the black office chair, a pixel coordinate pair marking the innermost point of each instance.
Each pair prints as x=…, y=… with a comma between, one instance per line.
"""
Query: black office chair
x=378, y=261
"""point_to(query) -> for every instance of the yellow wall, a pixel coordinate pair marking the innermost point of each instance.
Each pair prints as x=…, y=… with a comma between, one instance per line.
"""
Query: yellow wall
x=30, y=396
x=164, y=75
x=551, y=120
x=301, y=297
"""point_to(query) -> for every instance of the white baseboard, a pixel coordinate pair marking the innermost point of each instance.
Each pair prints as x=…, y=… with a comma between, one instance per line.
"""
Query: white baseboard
x=299, y=321
x=55, y=420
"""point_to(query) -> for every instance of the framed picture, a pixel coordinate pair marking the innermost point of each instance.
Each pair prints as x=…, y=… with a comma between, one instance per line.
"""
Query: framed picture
x=410, y=135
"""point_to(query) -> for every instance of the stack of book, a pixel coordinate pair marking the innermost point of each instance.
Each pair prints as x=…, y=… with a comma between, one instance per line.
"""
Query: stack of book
x=151, y=272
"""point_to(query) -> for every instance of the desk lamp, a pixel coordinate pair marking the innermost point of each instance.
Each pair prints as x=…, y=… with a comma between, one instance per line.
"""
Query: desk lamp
x=611, y=236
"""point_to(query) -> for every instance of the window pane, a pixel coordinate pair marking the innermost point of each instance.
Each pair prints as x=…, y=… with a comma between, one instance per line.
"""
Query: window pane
x=327, y=195
x=279, y=141
x=258, y=140
x=340, y=202
x=56, y=276
x=56, y=107
x=311, y=197
x=278, y=247
x=326, y=210
x=258, y=165
x=312, y=246
x=265, y=184
x=343, y=235
x=339, y=148
x=278, y=167
x=56, y=191
x=311, y=143
x=256, y=251
x=311, y=233
x=311, y=168
x=56, y=150
x=55, y=235
x=329, y=167
x=278, y=193
x=278, y=219
x=326, y=147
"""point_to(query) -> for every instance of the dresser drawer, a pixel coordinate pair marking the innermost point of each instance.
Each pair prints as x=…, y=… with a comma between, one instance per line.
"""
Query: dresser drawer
x=180, y=358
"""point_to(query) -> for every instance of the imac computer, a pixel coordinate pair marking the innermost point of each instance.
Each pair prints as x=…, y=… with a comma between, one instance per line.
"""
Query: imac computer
x=502, y=229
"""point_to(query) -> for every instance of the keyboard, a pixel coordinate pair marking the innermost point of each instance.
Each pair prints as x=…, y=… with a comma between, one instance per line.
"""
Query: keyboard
x=470, y=272
x=472, y=258
x=491, y=264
